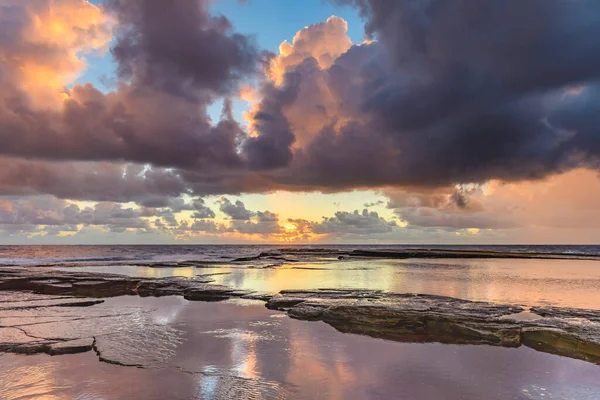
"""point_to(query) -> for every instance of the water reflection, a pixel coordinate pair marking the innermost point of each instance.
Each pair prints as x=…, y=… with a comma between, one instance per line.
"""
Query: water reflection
x=242, y=350
x=568, y=283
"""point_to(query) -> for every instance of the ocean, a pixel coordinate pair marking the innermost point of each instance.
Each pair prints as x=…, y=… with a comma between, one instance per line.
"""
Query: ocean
x=35, y=255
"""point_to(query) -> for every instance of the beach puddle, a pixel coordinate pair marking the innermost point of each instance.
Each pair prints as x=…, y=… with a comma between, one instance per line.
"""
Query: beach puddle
x=239, y=349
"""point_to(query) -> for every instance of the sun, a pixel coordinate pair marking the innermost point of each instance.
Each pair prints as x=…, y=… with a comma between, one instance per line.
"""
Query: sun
x=290, y=228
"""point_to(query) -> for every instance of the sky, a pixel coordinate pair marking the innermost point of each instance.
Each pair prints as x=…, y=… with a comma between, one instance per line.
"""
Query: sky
x=299, y=121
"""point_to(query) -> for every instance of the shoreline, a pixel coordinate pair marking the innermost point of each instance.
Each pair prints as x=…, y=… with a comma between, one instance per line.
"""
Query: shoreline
x=295, y=255
x=380, y=314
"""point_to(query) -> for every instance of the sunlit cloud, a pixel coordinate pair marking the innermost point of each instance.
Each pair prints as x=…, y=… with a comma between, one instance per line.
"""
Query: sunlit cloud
x=324, y=42
x=450, y=152
x=53, y=45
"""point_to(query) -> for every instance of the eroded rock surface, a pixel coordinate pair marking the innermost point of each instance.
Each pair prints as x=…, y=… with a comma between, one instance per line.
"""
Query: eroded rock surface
x=66, y=283
x=469, y=254
x=427, y=318
x=118, y=334
x=21, y=315
x=48, y=311
x=59, y=312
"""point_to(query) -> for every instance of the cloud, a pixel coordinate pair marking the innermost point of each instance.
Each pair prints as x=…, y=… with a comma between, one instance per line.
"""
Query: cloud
x=235, y=211
x=201, y=210
x=354, y=223
x=428, y=104
x=114, y=216
x=248, y=94
x=567, y=201
x=423, y=110
x=48, y=214
x=242, y=222
x=173, y=63
x=266, y=223
x=94, y=181
x=425, y=105
x=42, y=46
x=202, y=226
x=324, y=41
x=179, y=47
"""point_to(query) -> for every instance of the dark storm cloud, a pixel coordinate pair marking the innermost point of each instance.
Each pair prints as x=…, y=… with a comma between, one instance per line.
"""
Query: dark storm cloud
x=177, y=46
x=456, y=91
x=272, y=148
x=152, y=187
x=174, y=60
x=450, y=92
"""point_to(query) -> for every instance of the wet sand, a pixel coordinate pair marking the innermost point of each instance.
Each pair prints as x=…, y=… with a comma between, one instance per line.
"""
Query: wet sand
x=239, y=349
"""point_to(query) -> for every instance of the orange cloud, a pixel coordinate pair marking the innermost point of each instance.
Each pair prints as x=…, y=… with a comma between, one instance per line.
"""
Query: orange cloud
x=569, y=200
x=563, y=208
x=316, y=105
x=324, y=41
x=57, y=36
x=248, y=94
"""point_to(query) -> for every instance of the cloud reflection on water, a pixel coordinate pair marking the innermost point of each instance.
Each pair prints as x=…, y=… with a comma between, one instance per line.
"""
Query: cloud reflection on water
x=239, y=349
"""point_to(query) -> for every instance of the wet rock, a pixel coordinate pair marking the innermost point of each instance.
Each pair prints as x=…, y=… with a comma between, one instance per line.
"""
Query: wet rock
x=52, y=282
x=16, y=340
x=425, y=318
x=563, y=312
x=138, y=343
x=170, y=265
x=118, y=334
x=14, y=336
x=208, y=294
x=49, y=302
x=253, y=258
x=411, y=318
x=32, y=321
x=258, y=296
x=71, y=346
x=471, y=254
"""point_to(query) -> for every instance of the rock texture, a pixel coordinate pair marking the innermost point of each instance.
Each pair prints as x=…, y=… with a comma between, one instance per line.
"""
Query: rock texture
x=21, y=313
x=48, y=311
x=426, y=318
x=59, y=312
x=31, y=323
x=472, y=254
x=52, y=282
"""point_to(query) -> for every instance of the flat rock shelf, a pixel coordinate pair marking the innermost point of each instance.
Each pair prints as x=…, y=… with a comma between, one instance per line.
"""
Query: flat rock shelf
x=34, y=302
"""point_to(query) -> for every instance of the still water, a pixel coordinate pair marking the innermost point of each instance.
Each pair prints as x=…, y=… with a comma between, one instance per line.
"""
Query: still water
x=530, y=282
x=239, y=349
